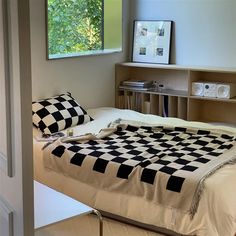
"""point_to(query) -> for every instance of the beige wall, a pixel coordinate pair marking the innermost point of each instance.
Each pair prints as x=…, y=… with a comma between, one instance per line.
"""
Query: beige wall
x=90, y=79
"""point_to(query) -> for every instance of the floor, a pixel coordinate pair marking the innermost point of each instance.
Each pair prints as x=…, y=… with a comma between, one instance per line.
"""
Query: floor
x=88, y=226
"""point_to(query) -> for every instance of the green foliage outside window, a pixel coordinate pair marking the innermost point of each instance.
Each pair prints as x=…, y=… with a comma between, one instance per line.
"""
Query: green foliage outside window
x=74, y=26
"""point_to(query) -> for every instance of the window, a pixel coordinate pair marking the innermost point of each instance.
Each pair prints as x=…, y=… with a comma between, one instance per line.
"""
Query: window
x=83, y=27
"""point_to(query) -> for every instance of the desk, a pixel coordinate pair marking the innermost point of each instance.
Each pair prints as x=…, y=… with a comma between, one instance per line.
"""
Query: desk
x=51, y=207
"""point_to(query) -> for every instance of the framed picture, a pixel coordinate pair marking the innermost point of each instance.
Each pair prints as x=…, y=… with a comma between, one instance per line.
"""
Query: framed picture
x=151, y=41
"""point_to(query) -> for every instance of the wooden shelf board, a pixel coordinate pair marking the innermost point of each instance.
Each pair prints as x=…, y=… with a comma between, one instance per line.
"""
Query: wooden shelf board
x=232, y=100
x=179, y=67
x=168, y=92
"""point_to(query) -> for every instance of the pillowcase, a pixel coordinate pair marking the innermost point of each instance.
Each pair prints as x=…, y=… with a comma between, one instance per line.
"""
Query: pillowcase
x=57, y=113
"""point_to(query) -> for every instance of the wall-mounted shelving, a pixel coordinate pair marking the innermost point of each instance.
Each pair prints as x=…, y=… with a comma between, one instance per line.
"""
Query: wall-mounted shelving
x=176, y=99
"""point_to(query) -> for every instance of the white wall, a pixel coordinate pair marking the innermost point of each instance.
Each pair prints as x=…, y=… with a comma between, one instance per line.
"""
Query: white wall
x=90, y=79
x=204, y=31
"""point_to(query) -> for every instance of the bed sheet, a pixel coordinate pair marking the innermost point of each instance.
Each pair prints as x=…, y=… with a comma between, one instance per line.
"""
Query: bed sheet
x=216, y=214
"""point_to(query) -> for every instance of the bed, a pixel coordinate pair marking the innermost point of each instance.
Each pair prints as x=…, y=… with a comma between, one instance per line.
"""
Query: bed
x=216, y=211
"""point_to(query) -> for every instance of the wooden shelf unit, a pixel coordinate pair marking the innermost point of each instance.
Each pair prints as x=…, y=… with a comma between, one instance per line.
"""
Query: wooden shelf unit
x=177, y=93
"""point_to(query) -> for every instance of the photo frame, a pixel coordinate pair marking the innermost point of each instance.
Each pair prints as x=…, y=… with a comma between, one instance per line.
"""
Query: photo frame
x=151, y=41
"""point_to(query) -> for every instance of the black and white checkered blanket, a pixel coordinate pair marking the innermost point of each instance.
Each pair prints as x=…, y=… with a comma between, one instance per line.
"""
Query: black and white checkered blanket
x=166, y=165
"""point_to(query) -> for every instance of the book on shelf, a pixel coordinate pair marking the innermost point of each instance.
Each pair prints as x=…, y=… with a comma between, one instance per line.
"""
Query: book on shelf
x=136, y=88
x=133, y=102
x=138, y=83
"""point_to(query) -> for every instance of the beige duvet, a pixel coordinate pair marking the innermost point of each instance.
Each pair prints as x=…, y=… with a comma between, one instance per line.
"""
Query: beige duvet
x=216, y=215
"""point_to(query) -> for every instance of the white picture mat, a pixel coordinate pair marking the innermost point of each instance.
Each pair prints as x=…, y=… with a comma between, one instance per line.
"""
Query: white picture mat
x=152, y=41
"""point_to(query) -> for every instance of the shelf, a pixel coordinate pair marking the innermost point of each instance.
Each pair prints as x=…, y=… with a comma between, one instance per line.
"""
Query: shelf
x=230, y=100
x=150, y=65
x=168, y=92
x=211, y=110
x=176, y=100
x=180, y=67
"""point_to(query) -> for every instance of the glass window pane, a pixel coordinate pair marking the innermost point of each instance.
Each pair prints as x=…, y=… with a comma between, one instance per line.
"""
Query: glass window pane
x=74, y=26
x=83, y=27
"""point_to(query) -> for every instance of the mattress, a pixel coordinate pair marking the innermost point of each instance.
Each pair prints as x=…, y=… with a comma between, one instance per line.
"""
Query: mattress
x=216, y=213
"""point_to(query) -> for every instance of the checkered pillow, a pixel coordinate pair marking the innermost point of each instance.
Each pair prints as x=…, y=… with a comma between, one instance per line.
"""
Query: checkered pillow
x=57, y=113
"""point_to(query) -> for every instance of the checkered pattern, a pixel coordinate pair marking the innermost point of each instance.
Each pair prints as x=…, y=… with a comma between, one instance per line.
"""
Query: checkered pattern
x=57, y=113
x=174, y=152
